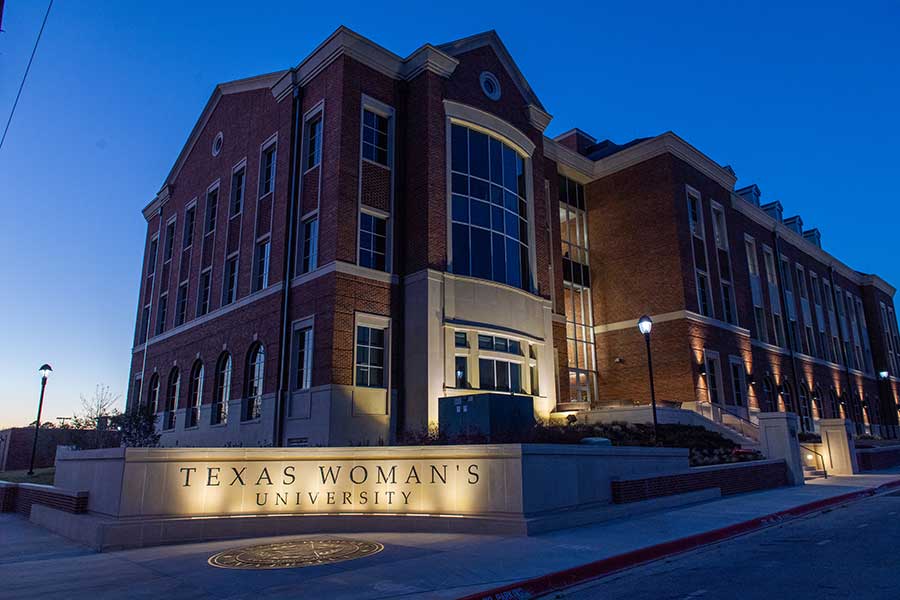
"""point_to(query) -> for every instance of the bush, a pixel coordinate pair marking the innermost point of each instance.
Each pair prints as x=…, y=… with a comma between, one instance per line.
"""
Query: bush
x=707, y=447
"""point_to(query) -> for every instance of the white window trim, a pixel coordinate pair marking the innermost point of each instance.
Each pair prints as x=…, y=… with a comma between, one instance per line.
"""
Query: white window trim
x=296, y=325
x=374, y=322
x=241, y=164
x=737, y=360
x=707, y=356
x=369, y=103
x=388, y=112
x=317, y=111
x=272, y=140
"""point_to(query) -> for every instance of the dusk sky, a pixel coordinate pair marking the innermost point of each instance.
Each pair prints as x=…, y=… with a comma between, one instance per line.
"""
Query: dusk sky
x=802, y=101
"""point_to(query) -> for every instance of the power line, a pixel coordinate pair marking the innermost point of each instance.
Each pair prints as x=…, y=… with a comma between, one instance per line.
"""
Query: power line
x=25, y=76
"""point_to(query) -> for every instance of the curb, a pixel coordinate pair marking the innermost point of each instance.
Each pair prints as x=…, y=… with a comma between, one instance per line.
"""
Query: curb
x=531, y=588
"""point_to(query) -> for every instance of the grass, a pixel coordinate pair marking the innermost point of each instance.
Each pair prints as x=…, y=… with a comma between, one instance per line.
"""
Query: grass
x=44, y=476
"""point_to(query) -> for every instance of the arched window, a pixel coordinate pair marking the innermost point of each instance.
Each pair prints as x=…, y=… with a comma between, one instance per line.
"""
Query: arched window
x=787, y=394
x=171, y=399
x=153, y=395
x=805, y=408
x=818, y=413
x=255, y=378
x=223, y=390
x=195, y=395
x=769, y=402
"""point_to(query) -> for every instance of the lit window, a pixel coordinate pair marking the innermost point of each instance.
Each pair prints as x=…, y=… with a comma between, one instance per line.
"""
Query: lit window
x=375, y=137
x=195, y=395
x=256, y=367
x=372, y=242
x=223, y=390
x=462, y=372
x=489, y=209
x=370, y=357
x=302, y=355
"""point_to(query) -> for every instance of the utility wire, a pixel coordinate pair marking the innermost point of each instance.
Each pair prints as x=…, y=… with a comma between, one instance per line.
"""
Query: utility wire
x=25, y=76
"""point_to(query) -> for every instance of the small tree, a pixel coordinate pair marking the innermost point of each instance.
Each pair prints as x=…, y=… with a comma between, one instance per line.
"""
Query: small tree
x=138, y=428
x=96, y=411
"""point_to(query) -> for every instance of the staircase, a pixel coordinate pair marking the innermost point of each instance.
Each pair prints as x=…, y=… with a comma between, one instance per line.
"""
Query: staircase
x=731, y=425
x=810, y=473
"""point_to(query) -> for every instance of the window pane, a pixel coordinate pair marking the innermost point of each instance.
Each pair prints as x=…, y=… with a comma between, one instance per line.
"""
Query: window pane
x=486, y=374
x=460, y=149
x=481, y=253
x=478, y=154
x=461, y=249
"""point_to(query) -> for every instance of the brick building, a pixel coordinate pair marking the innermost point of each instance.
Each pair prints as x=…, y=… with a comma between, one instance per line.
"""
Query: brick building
x=340, y=245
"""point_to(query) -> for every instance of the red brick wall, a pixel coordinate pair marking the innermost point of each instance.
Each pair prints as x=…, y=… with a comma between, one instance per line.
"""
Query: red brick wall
x=21, y=439
x=20, y=498
x=730, y=479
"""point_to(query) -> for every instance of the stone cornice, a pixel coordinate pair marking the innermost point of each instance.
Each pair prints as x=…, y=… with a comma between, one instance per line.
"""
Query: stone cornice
x=490, y=123
x=581, y=167
x=661, y=144
x=760, y=217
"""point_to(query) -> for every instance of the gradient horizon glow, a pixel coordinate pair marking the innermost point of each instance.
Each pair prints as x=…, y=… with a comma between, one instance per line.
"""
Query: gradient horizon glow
x=801, y=100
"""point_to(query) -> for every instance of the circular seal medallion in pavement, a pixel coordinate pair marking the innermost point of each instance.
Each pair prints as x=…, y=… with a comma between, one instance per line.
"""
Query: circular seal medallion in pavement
x=294, y=553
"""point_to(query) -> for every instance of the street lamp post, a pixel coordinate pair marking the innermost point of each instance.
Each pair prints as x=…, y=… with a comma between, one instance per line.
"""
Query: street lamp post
x=645, y=324
x=45, y=372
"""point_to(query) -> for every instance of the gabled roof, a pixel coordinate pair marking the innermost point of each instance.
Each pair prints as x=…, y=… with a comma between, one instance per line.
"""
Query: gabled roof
x=490, y=38
x=223, y=89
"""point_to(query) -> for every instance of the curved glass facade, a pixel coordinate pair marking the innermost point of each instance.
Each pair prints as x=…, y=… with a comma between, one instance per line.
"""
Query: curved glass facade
x=489, y=209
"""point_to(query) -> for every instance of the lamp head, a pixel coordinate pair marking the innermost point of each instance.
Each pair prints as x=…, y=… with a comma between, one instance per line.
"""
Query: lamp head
x=45, y=371
x=883, y=374
x=645, y=324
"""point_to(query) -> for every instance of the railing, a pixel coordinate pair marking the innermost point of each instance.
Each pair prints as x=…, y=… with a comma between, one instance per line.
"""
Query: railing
x=724, y=415
x=820, y=457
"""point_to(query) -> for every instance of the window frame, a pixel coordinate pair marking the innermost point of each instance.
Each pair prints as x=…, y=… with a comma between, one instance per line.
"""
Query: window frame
x=270, y=144
x=374, y=214
x=376, y=322
x=241, y=168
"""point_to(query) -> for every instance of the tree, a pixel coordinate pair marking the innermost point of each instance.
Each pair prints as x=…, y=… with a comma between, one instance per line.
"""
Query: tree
x=138, y=429
x=96, y=412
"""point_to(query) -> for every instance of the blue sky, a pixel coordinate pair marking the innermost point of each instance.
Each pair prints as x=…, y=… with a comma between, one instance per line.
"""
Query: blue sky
x=801, y=100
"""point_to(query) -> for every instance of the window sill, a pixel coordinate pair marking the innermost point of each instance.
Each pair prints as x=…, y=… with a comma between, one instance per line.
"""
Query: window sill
x=192, y=428
x=255, y=421
x=375, y=163
x=223, y=424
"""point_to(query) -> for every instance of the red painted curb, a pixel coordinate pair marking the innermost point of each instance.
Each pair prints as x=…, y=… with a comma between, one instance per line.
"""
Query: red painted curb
x=572, y=576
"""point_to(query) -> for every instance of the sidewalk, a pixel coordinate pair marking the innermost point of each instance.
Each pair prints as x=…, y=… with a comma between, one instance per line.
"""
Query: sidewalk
x=411, y=565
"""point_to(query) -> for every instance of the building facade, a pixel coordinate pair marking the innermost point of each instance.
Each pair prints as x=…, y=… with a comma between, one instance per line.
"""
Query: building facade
x=340, y=245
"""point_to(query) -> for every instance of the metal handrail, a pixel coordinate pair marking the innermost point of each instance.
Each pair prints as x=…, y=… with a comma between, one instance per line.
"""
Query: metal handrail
x=753, y=427
x=824, y=470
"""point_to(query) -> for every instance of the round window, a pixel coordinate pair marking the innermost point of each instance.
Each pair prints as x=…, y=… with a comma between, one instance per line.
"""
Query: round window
x=490, y=86
x=217, y=144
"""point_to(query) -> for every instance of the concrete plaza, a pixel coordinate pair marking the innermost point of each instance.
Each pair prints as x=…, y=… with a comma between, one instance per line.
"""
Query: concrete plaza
x=38, y=564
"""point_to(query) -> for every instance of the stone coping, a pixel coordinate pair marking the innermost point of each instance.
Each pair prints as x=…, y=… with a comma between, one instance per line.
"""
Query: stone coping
x=878, y=450
x=702, y=469
x=39, y=487
x=364, y=453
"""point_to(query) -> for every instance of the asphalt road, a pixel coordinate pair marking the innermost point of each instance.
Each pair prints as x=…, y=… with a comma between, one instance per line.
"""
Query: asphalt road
x=849, y=552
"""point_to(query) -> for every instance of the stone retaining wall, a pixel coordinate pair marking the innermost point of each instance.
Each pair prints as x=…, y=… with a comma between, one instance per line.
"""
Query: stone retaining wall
x=733, y=478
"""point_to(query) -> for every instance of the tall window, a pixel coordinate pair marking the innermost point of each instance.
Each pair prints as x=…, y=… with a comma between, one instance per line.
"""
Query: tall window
x=190, y=218
x=375, y=137
x=255, y=375
x=309, y=248
x=489, y=209
x=212, y=204
x=787, y=279
x=267, y=170
x=577, y=291
x=181, y=304
x=805, y=408
x=170, y=241
x=229, y=285
x=153, y=395
x=713, y=377
x=769, y=402
x=372, y=241
x=370, y=356
x=759, y=311
x=723, y=256
x=313, y=142
x=738, y=381
x=171, y=399
x=223, y=390
x=261, y=265
x=237, y=191
x=301, y=358
x=161, y=313
x=701, y=267
x=461, y=368
x=774, y=298
x=151, y=256
x=195, y=395
x=203, y=292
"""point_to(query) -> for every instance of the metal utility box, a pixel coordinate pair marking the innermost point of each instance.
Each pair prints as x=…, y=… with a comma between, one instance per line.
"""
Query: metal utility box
x=494, y=416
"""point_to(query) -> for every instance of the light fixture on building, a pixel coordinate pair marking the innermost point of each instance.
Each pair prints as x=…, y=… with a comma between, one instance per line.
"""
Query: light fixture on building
x=883, y=374
x=45, y=373
x=645, y=324
x=701, y=368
